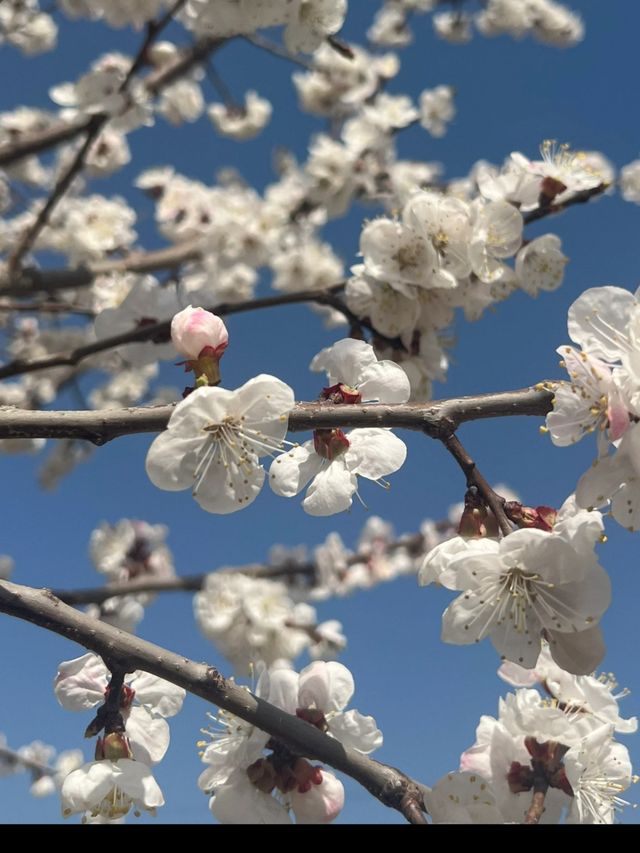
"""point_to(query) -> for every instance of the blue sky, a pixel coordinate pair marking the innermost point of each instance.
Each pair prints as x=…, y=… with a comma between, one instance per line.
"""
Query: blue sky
x=427, y=697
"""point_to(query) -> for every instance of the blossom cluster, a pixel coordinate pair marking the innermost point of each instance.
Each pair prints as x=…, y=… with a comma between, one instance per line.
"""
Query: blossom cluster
x=247, y=786
x=603, y=396
x=566, y=742
x=136, y=736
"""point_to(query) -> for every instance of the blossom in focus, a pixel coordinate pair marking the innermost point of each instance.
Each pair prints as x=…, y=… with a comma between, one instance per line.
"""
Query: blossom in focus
x=243, y=780
x=333, y=459
x=528, y=584
x=215, y=438
x=145, y=703
x=193, y=329
x=110, y=788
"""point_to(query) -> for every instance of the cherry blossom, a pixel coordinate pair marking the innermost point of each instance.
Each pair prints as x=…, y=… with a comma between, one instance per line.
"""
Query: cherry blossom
x=243, y=780
x=110, y=789
x=528, y=583
x=146, y=702
x=243, y=122
x=215, y=438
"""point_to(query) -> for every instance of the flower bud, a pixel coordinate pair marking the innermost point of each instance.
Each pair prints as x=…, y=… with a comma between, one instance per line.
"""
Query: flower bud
x=194, y=330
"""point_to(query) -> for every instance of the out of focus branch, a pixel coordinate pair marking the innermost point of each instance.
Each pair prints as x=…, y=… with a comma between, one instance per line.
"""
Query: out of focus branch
x=63, y=131
x=307, y=570
x=93, y=128
x=160, y=332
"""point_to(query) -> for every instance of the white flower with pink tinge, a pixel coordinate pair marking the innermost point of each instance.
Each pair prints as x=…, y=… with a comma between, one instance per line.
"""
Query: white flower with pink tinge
x=333, y=460
x=194, y=330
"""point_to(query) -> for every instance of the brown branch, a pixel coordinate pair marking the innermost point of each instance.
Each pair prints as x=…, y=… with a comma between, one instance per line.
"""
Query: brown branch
x=548, y=209
x=182, y=583
x=438, y=419
x=161, y=332
x=277, y=50
x=31, y=280
x=42, y=608
x=412, y=807
x=536, y=809
x=475, y=478
x=46, y=308
x=50, y=137
x=12, y=757
x=93, y=128
x=194, y=583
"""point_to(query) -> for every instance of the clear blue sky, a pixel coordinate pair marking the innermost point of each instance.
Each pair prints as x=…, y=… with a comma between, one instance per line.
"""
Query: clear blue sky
x=427, y=697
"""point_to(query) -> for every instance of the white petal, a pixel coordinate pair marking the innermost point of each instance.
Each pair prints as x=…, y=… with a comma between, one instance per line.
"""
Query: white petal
x=164, y=697
x=80, y=683
x=355, y=730
x=325, y=685
x=227, y=489
x=172, y=459
x=321, y=803
x=87, y=786
x=597, y=318
x=345, y=361
x=384, y=382
x=265, y=402
x=290, y=472
x=149, y=735
x=580, y=652
x=136, y=780
x=331, y=490
x=241, y=802
x=373, y=453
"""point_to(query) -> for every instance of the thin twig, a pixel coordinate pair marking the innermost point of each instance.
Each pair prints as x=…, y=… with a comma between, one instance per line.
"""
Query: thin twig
x=43, y=140
x=438, y=419
x=31, y=280
x=12, y=757
x=536, y=809
x=279, y=51
x=194, y=583
x=46, y=308
x=475, y=478
x=95, y=125
x=549, y=209
x=42, y=608
x=160, y=332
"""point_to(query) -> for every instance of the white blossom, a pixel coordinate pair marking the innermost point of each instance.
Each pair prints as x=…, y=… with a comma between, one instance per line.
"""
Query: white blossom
x=243, y=122
x=215, y=438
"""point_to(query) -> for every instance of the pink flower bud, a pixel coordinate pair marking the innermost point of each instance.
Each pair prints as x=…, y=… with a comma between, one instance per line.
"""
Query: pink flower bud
x=194, y=329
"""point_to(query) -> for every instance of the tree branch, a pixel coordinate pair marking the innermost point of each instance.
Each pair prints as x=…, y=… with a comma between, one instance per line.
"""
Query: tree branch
x=438, y=419
x=93, y=128
x=42, y=608
x=161, y=332
x=475, y=478
x=549, y=209
x=13, y=758
x=31, y=280
x=194, y=583
x=50, y=137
